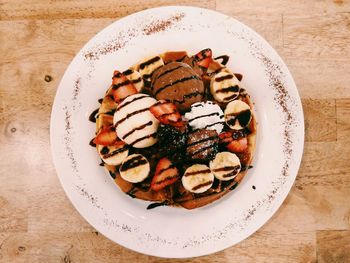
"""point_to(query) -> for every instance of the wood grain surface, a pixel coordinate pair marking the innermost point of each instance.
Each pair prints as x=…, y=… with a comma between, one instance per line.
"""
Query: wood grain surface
x=39, y=38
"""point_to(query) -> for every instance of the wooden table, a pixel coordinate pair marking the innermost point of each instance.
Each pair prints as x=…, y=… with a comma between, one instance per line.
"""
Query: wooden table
x=38, y=40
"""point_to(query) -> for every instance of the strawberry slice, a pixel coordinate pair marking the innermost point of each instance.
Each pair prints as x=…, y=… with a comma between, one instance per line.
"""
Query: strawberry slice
x=203, y=58
x=166, y=174
x=225, y=137
x=122, y=87
x=106, y=136
x=167, y=113
x=238, y=146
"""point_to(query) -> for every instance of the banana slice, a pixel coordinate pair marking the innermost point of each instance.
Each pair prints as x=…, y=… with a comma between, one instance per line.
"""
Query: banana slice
x=135, y=77
x=147, y=67
x=225, y=86
x=225, y=166
x=237, y=114
x=198, y=178
x=135, y=168
x=113, y=155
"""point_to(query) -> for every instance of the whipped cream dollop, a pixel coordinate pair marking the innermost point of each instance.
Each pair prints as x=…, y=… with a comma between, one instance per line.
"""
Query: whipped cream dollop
x=206, y=115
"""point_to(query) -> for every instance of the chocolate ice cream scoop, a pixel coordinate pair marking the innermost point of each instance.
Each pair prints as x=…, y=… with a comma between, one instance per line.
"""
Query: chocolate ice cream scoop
x=179, y=83
x=202, y=145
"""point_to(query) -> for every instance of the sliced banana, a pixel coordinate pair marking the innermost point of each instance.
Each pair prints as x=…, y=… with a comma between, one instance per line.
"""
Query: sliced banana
x=148, y=66
x=225, y=166
x=225, y=86
x=198, y=178
x=135, y=168
x=237, y=114
x=113, y=155
x=135, y=77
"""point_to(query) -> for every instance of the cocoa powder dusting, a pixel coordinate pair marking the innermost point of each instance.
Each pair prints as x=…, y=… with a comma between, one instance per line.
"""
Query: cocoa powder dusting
x=161, y=25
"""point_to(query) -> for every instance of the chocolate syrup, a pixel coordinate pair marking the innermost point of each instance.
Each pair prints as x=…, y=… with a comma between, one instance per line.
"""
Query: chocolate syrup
x=219, y=79
x=202, y=116
x=133, y=162
x=154, y=135
x=100, y=100
x=92, y=143
x=227, y=168
x=197, y=172
x=202, y=185
x=149, y=62
x=131, y=101
x=169, y=70
x=224, y=59
x=92, y=116
x=154, y=205
x=130, y=115
x=137, y=129
x=238, y=76
x=120, y=150
x=117, y=86
x=228, y=89
x=104, y=150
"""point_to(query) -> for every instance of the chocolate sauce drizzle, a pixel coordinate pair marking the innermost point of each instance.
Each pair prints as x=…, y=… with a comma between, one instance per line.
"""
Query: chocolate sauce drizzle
x=131, y=101
x=219, y=79
x=133, y=163
x=228, y=89
x=137, y=129
x=93, y=115
x=224, y=58
x=130, y=115
x=149, y=62
x=202, y=116
x=120, y=150
x=197, y=172
x=154, y=135
x=202, y=185
x=201, y=141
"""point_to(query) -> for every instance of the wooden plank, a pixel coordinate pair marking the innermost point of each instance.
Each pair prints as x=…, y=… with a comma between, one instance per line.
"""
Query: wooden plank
x=285, y=7
x=320, y=120
x=37, y=9
x=325, y=163
x=89, y=247
x=324, y=36
x=343, y=119
x=318, y=78
x=333, y=246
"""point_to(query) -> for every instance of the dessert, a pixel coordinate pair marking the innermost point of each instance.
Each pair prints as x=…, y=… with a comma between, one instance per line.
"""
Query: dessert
x=175, y=129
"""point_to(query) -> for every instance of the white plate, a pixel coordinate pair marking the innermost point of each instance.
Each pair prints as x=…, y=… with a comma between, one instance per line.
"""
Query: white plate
x=167, y=231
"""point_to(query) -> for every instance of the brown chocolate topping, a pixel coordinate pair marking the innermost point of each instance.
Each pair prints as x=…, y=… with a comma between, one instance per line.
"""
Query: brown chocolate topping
x=131, y=101
x=149, y=62
x=203, y=140
x=219, y=79
x=228, y=89
x=188, y=96
x=154, y=135
x=133, y=162
x=197, y=172
x=137, y=129
x=120, y=150
x=202, y=185
x=92, y=116
x=130, y=115
x=224, y=59
x=202, y=116
x=227, y=168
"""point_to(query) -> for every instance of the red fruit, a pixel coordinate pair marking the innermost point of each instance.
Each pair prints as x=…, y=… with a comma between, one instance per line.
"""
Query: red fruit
x=166, y=112
x=122, y=87
x=166, y=174
x=238, y=146
x=204, y=57
x=106, y=136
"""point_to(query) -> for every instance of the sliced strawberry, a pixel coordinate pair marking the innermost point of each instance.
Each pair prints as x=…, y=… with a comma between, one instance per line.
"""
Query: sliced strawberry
x=166, y=174
x=204, y=57
x=238, y=146
x=166, y=112
x=106, y=136
x=122, y=87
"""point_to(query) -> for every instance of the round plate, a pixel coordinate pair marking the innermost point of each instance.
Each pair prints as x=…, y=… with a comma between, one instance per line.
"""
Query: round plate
x=168, y=231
